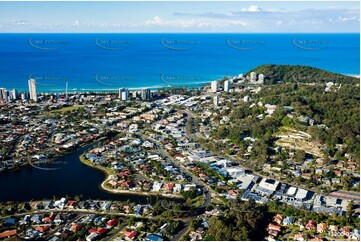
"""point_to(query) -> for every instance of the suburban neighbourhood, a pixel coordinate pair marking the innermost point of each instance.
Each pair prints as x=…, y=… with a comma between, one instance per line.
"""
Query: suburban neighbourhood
x=178, y=144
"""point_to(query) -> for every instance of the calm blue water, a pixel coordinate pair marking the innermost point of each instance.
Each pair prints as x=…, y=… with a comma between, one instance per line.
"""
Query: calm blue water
x=109, y=61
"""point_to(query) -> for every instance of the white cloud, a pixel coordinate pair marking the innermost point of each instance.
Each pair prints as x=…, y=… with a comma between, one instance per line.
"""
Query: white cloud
x=156, y=20
x=252, y=8
x=20, y=22
x=76, y=23
x=191, y=23
x=279, y=23
x=346, y=19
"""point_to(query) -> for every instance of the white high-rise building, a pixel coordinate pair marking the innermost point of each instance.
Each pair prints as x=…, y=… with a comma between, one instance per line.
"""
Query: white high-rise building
x=253, y=77
x=216, y=100
x=227, y=86
x=261, y=78
x=134, y=93
x=24, y=96
x=123, y=93
x=214, y=86
x=32, y=90
x=14, y=94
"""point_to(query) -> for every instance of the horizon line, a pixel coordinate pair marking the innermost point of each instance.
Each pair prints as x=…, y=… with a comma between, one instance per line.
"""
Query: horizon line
x=179, y=32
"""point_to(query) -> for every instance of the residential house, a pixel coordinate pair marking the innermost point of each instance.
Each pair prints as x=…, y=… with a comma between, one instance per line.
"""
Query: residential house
x=321, y=227
x=288, y=221
x=8, y=234
x=311, y=224
x=299, y=237
x=278, y=218
x=130, y=235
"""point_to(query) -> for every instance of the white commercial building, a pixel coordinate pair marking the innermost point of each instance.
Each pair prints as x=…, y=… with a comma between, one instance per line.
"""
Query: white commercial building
x=301, y=194
x=269, y=184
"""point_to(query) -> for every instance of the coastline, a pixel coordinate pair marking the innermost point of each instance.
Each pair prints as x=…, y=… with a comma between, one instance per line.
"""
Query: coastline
x=115, y=191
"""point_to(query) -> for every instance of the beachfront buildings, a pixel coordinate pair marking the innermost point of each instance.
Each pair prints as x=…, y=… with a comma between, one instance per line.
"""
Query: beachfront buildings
x=227, y=86
x=32, y=90
x=214, y=86
x=14, y=94
x=145, y=94
x=123, y=94
x=3, y=94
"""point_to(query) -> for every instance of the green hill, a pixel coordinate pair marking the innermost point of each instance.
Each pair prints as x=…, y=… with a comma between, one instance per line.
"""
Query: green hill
x=305, y=74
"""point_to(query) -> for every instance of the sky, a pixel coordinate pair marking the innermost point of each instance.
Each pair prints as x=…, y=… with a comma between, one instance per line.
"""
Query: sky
x=170, y=17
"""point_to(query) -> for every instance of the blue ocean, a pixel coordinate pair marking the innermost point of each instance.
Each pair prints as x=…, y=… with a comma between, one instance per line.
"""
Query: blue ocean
x=99, y=62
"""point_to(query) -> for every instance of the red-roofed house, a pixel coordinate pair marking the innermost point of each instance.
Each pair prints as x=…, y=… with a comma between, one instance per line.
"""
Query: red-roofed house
x=43, y=228
x=47, y=220
x=233, y=192
x=70, y=203
x=130, y=235
x=169, y=186
x=274, y=227
x=8, y=233
x=112, y=222
x=75, y=227
x=101, y=230
x=92, y=230
x=345, y=230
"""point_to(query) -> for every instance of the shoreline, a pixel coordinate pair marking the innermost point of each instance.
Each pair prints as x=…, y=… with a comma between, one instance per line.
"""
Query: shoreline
x=115, y=191
x=48, y=161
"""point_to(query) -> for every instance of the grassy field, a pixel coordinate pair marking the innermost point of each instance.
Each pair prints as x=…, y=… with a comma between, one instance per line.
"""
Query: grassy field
x=71, y=108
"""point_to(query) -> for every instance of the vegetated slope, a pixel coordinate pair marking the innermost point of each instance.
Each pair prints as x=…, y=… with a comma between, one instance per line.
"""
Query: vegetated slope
x=304, y=74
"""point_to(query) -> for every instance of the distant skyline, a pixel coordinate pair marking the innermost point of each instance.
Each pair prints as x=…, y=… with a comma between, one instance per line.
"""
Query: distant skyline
x=170, y=17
